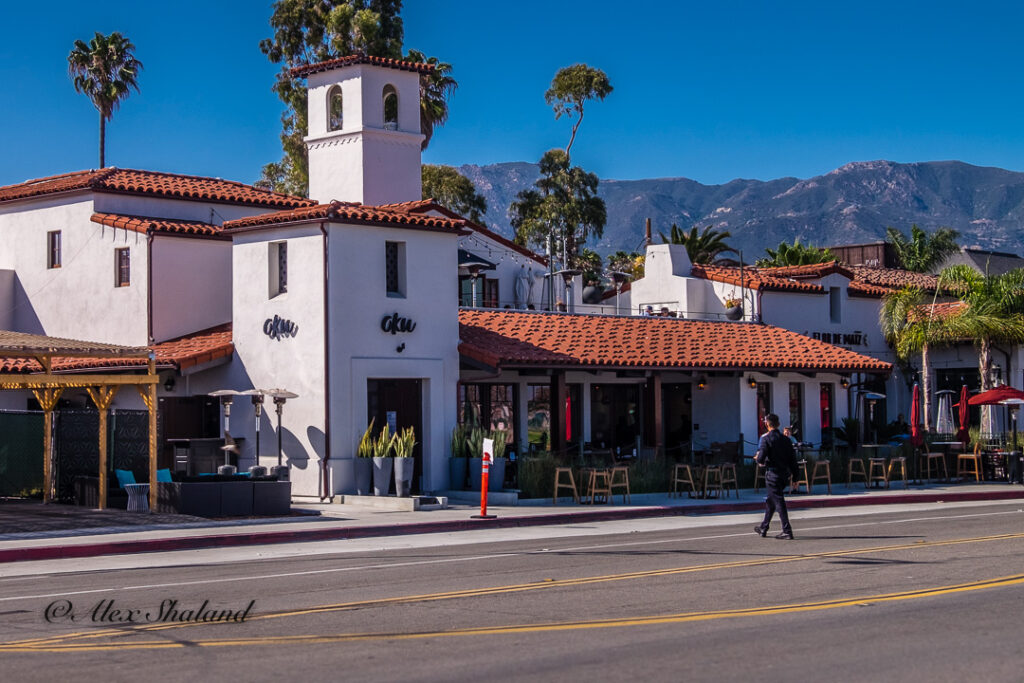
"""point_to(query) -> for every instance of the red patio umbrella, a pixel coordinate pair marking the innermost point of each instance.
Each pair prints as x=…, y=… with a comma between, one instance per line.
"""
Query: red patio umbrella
x=995, y=396
x=916, y=438
x=964, y=434
x=568, y=417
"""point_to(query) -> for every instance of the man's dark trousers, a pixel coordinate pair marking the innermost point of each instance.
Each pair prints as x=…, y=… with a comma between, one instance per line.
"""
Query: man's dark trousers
x=775, y=484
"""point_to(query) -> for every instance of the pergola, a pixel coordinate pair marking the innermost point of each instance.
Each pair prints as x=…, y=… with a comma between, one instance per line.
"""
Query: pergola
x=39, y=377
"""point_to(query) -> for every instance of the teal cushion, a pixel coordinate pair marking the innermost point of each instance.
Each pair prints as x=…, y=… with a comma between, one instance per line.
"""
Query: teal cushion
x=124, y=477
x=163, y=475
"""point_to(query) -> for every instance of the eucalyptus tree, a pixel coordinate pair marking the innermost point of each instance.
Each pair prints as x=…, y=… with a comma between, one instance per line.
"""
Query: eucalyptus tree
x=570, y=90
x=452, y=190
x=106, y=71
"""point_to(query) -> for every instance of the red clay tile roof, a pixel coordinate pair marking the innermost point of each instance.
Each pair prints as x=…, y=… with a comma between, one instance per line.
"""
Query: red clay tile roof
x=811, y=270
x=525, y=339
x=160, y=225
x=349, y=212
x=894, y=278
x=754, y=278
x=181, y=353
x=306, y=70
x=130, y=181
x=938, y=311
x=610, y=293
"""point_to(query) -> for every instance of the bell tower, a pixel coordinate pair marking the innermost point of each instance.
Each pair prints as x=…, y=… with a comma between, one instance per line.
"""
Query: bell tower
x=364, y=130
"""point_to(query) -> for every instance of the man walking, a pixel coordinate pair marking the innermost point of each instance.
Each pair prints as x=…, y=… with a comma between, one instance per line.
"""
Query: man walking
x=775, y=452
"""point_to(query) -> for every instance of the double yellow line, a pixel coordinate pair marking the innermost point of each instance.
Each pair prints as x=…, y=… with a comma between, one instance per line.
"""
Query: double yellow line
x=64, y=643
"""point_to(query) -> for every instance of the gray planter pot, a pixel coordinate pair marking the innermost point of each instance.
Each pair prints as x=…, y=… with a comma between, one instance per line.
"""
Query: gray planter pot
x=496, y=481
x=592, y=294
x=457, y=469
x=475, y=469
x=734, y=312
x=363, y=475
x=403, y=476
x=382, y=475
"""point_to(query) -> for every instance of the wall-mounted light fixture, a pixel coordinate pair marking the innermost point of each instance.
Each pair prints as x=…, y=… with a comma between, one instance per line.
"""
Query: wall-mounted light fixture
x=752, y=382
x=702, y=384
x=169, y=384
x=844, y=382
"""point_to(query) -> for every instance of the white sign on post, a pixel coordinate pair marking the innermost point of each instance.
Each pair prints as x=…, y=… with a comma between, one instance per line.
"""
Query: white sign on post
x=488, y=451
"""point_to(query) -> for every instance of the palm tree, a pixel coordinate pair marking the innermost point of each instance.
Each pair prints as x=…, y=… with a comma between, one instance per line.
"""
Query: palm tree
x=912, y=327
x=703, y=247
x=795, y=254
x=106, y=71
x=921, y=252
x=435, y=89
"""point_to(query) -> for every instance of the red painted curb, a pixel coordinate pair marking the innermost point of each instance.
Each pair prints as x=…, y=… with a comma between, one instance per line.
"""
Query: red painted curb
x=154, y=545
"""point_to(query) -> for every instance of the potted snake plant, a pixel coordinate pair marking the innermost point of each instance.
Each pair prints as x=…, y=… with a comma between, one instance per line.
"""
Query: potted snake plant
x=382, y=462
x=457, y=463
x=404, y=441
x=475, y=451
x=363, y=462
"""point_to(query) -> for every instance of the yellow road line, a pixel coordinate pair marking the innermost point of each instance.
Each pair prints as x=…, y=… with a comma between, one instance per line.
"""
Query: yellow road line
x=515, y=588
x=686, y=617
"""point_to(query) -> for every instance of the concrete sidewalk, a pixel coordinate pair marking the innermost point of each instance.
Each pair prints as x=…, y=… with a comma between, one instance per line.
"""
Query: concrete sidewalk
x=339, y=522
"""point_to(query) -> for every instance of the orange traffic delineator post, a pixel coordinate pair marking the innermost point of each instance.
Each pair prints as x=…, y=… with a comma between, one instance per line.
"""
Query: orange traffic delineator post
x=485, y=471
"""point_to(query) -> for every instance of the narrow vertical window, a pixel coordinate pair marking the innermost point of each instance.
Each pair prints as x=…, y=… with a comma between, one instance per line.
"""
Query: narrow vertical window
x=834, y=298
x=335, y=118
x=390, y=96
x=53, y=249
x=394, y=268
x=277, y=259
x=796, y=409
x=122, y=267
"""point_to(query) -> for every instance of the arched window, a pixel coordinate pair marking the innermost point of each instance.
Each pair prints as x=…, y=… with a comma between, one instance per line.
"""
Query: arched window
x=390, y=108
x=334, y=109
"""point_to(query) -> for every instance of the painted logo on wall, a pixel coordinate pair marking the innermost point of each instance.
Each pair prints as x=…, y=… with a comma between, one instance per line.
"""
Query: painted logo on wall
x=278, y=328
x=394, y=324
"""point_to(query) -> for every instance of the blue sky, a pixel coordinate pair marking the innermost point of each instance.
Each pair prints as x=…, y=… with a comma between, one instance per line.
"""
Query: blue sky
x=710, y=91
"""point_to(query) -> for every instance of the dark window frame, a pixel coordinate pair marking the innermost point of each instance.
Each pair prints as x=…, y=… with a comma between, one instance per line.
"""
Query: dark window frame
x=53, y=249
x=122, y=267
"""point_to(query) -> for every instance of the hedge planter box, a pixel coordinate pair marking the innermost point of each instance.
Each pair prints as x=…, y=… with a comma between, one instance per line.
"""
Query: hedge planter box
x=382, y=475
x=403, y=476
x=363, y=475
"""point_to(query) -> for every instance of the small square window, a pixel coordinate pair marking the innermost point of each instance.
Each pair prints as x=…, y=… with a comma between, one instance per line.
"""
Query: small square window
x=53, y=249
x=394, y=268
x=122, y=267
x=278, y=270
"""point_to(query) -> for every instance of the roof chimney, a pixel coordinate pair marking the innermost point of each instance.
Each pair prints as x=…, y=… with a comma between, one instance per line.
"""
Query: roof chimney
x=647, y=233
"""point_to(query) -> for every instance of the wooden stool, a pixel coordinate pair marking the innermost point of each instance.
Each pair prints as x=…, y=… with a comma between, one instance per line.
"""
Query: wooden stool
x=901, y=461
x=759, y=471
x=559, y=471
x=728, y=476
x=937, y=458
x=682, y=474
x=600, y=485
x=802, y=467
x=858, y=471
x=619, y=479
x=962, y=469
x=822, y=471
x=877, y=465
x=712, y=481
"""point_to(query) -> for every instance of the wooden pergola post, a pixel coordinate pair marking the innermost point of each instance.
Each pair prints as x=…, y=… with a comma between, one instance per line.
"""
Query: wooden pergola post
x=148, y=393
x=103, y=397
x=47, y=398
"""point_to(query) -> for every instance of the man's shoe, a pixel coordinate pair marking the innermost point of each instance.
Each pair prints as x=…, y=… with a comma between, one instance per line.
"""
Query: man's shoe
x=785, y=535
x=760, y=531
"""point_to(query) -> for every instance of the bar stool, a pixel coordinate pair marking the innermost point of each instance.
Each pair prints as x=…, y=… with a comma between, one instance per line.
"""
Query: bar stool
x=901, y=461
x=728, y=477
x=972, y=459
x=937, y=458
x=822, y=472
x=619, y=479
x=877, y=465
x=682, y=474
x=559, y=471
x=600, y=486
x=859, y=471
x=759, y=471
x=802, y=467
x=712, y=481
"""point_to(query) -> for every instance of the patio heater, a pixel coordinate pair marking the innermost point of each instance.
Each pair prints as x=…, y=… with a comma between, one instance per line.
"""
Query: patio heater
x=227, y=397
x=257, y=404
x=620, y=279
x=872, y=397
x=280, y=396
x=567, y=275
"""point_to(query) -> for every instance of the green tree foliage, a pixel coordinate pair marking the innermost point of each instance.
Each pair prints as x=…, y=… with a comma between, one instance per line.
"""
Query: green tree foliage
x=795, y=254
x=563, y=202
x=571, y=88
x=590, y=263
x=702, y=247
x=452, y=190
x=629, y=262
x=921, y=252
x=311, y=31
x=106, y=71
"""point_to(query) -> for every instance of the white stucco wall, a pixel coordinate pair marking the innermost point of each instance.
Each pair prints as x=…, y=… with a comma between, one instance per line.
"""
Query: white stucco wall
x=191, y=285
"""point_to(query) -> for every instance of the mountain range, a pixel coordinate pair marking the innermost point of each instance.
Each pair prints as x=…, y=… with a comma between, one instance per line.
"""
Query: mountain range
x=850, y=205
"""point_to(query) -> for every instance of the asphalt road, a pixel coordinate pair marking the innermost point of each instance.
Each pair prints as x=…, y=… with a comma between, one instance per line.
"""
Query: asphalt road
x=932, y=594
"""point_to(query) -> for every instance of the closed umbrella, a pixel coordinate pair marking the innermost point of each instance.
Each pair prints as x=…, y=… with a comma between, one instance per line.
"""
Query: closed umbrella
x=522, y=288
x=916, y=437
x=964, y=434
